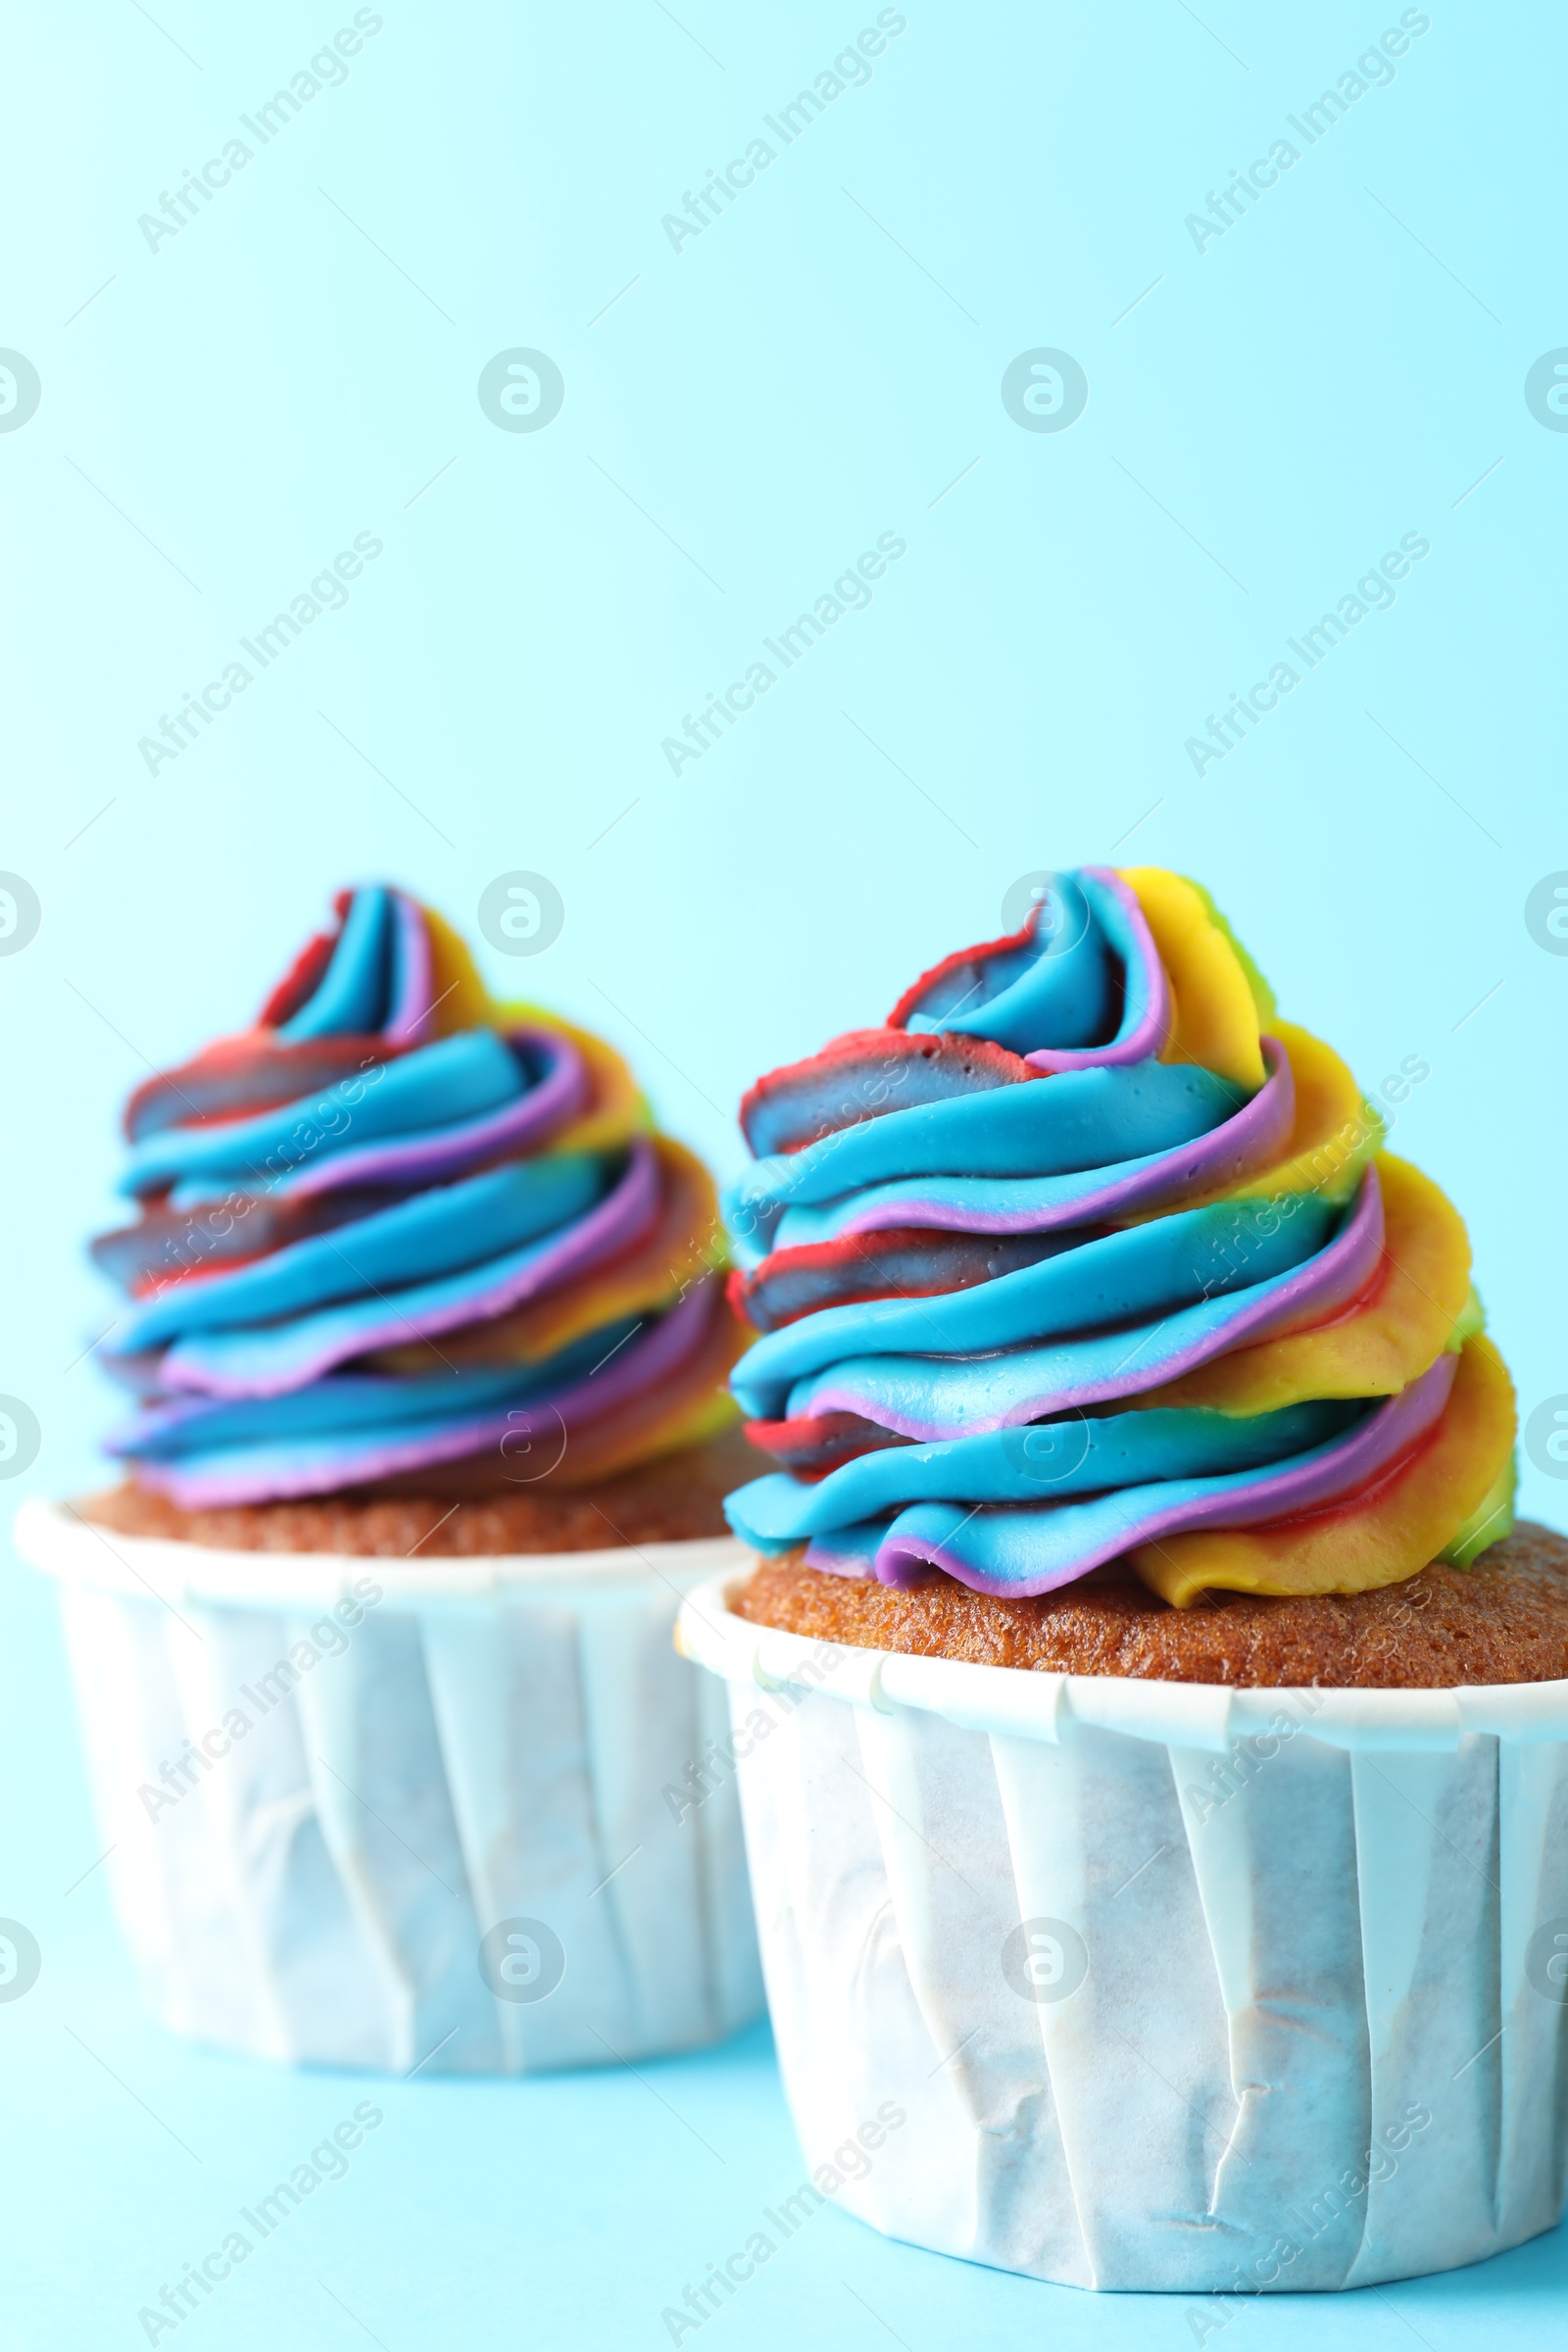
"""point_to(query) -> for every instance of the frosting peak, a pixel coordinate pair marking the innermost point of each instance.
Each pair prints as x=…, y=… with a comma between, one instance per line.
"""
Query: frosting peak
x=1087, y=1254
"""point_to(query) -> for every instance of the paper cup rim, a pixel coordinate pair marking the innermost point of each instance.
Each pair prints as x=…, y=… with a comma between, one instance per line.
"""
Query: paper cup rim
x=77, y=1551
x=1030, y=1703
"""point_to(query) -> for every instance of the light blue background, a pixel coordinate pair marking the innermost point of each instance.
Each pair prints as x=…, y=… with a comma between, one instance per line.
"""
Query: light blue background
x=820, y=366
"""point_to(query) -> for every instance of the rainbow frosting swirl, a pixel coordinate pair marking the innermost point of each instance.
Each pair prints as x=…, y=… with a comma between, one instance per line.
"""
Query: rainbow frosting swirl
x=395, y=1226
x=1086, y=1256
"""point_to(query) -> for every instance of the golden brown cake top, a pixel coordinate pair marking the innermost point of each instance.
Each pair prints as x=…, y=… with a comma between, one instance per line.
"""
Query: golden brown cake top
x=1505, y=1619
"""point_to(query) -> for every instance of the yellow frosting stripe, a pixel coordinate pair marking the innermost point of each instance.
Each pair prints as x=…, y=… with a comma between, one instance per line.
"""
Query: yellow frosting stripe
x=1391, y=1533
x=1337, y=1131
x=691, y=1421
x=696, y=1406
x=1490, y=1521
x=1418, y=1308
x=462, y=999
x=1212, y=987
x=1335, y=1135
x=688, y=1243
x=616, y=1109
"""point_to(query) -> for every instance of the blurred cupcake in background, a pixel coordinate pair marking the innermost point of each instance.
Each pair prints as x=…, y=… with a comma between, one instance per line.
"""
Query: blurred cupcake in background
x=399, y=1240
x=414, y=1280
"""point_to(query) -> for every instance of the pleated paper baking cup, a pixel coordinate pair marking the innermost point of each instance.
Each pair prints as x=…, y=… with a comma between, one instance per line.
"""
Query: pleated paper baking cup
x=397, y=1814
x=1187, y=1989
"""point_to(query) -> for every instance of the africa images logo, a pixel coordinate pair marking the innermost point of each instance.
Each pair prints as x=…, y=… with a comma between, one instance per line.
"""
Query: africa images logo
x=1045, y=390
x=20, y=390
x=1546, y=390
x=522, y=390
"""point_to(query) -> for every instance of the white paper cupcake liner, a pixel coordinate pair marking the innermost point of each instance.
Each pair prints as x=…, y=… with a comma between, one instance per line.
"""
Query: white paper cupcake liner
x=1183, y=1988
x=482, y=1750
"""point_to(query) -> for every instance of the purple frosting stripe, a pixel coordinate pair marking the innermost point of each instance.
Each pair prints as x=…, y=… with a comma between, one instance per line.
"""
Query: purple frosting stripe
x=637, y=1368
x=409, y=1022
x=1337, y=1274
x=1249, y=1140
x=1389, y=1431
x=1153, y=1027
x=1334, y=1278
x=607, y=1229
x=416, y=1160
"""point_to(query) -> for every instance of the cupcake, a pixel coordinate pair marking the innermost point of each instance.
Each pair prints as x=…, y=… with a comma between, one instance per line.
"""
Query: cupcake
x=1161, y=1797
x=424, y=1334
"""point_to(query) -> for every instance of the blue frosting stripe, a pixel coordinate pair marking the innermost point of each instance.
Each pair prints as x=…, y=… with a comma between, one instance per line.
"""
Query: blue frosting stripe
x=967, y=1204
x=353, y=992
x=927, y=1397
x=334, y=1407
x=1034, y=1550
x=1124, y=1285
x=459, y=1226
x=353, y=1427
x=1061, y=984
x=433, y=1086
x=1042, y=1463
x=1078, y=1123
x=255, y=1439
x=284, y=1355
x=1032, y=1547
x=1065, y=990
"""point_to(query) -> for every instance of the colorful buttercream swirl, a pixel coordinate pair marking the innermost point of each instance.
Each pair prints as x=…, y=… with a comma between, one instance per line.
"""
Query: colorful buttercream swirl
x=1086, y=1257
x=395, y=1227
